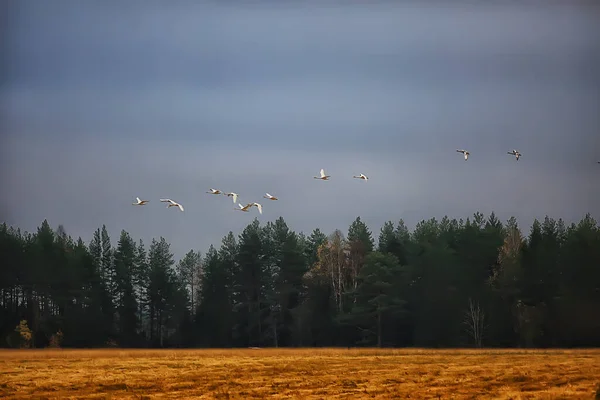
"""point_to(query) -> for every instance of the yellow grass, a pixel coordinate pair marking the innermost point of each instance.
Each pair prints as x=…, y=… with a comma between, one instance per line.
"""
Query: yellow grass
x=299, y=374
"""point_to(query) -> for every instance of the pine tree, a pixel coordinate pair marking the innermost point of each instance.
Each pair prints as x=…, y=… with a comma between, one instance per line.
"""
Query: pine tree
x=160, y=261
x=214, y=316
x=377, y=295
x=251, y=310
x=125, y=299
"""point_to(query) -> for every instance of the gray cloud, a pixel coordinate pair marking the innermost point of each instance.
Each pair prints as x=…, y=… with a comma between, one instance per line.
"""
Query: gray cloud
x=104, y=104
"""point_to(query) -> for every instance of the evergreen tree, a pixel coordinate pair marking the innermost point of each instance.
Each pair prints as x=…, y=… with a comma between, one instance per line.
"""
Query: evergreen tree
x=214, y=316
x=252, y=308
x=160, y=261
x=314, y=241
x=125, y=298
x=377, y=295
x=290, y=267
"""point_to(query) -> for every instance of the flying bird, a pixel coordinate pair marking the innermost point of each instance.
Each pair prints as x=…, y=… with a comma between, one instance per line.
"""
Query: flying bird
x=466, y=153
x=268, y=196
x=140, y=202
x=172, y=203
x=323, y=176
x=234, y=195
x=361, y=176
x=214, y=191
x=515, y=153
x=245, y=208
x=258, y=206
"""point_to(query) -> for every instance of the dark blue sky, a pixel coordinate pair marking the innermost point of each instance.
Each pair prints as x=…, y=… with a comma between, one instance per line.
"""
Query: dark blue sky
x=101, y=103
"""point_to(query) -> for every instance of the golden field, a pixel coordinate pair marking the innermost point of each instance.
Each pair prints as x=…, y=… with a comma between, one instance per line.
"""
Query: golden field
x=299, y=374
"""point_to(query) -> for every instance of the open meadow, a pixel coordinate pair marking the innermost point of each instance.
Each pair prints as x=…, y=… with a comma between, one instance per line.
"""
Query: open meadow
x=299, y=374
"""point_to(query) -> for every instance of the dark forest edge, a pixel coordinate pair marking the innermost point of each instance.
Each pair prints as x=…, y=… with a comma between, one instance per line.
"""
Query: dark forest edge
x=448, y=283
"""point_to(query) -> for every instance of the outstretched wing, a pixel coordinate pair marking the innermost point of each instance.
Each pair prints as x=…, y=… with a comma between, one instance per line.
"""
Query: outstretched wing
x=322, y=173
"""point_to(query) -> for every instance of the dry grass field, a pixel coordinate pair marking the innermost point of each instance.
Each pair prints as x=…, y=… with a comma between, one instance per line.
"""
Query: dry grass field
x=299, y=374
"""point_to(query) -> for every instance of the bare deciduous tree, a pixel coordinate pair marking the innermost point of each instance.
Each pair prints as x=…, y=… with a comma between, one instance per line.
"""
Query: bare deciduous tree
x=507, y=271
x=332, y=263
x=190, y=271
x=356, y=259
x=475, y=322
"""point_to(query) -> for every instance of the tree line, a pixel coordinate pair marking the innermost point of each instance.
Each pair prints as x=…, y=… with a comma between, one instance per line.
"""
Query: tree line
x=448, y=283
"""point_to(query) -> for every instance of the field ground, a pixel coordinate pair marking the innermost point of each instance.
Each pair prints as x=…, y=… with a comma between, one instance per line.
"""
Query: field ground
x=299, y=374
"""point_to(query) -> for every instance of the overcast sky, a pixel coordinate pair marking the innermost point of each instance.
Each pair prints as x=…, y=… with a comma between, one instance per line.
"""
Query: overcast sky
x=101, y=103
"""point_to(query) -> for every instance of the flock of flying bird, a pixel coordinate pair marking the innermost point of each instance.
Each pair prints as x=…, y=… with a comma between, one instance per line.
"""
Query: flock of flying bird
x=234, y=196
x=322, y=176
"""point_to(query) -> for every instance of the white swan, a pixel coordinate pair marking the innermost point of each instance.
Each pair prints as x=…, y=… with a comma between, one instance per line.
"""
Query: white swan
x=258, y=206
x=323, y=176
x=231, y=194
x=140, y=202
x=268, y=196
x=245, y=208
x=465, y=152
x=515, y=153
x=172, y=203
x=361, y=176
x=214, y=191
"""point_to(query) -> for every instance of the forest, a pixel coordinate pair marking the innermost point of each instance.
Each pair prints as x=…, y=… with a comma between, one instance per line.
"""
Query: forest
x=478, y=282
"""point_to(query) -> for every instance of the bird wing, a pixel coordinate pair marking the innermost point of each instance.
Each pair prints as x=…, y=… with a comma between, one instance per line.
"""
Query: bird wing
x=259, y=207
x=322, y=172
x=180, y=207
x=167, y=200
x=235, y=197
x=460, y=151
x=268, y=195
x=138, y=199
